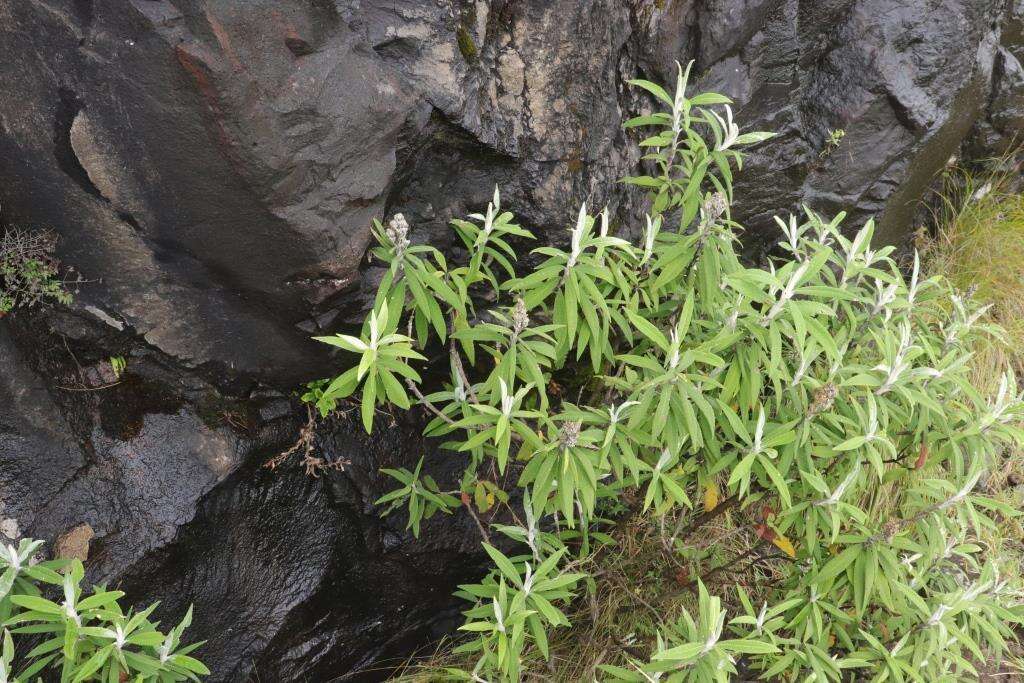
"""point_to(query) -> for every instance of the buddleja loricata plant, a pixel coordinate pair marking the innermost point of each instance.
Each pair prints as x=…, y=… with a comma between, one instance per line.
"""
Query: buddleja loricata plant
x=82, y=638
x=822, y=402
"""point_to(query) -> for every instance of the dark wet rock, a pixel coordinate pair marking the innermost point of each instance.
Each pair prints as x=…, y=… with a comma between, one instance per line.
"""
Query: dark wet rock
x=38, y=451
x=157, y=481
x=1001, y=130
x=297, y=578
x=212, y=168
x=129, y=460
x=903, y=80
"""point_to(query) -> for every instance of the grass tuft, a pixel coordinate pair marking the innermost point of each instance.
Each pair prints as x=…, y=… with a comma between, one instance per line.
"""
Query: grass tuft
x=977, y=243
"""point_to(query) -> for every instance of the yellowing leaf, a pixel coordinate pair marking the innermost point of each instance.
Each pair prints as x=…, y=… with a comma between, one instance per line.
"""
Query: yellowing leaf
x=784, y=545
x=710, y=497
x=480, y=498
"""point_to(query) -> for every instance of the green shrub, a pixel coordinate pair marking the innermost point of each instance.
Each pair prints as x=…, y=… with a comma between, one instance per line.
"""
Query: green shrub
x=29, y=272
x=84, y=638
x=823, y=402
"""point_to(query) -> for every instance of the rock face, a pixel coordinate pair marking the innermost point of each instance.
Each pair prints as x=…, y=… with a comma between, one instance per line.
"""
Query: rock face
x=1002, y=127
x=217, y=164
x=213, y=166
x=156, y=480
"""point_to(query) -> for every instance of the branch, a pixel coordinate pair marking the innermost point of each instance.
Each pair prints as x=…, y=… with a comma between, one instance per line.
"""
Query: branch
x=423, y=401
x=476, y=518
x=750, y=555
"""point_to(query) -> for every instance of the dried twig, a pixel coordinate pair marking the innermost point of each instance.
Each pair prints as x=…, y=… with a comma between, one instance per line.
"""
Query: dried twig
x=314, y=464
x=99, y=388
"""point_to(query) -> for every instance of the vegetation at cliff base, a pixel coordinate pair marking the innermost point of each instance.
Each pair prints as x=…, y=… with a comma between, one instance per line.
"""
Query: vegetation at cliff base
x=778, y=472
x=85, y=637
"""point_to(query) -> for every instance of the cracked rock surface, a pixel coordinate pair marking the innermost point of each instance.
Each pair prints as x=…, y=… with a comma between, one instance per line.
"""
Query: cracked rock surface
x=212, y=168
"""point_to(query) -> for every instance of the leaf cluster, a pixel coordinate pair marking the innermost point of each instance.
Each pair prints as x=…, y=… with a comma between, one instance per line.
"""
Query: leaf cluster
x=822, y=400
x=84, y=637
